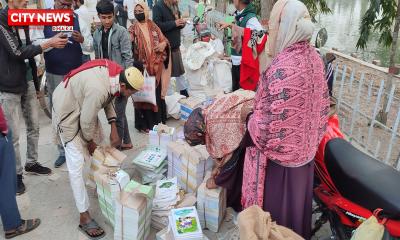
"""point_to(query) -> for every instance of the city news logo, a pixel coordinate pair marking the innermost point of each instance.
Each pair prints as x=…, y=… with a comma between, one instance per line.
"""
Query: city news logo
x=60, y=20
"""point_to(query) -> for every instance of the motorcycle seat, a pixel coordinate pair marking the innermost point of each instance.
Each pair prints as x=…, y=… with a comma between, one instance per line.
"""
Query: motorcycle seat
x=363, y=179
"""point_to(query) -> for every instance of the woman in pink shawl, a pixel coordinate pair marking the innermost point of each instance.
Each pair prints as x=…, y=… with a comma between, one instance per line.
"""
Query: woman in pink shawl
x=287, y=122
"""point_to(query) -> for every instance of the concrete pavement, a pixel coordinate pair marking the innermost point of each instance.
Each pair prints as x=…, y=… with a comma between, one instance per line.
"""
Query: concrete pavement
x=50, y=197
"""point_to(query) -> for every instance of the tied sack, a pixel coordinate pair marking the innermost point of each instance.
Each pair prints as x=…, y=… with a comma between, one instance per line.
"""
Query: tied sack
x=371, y=229
x=148, y=92
x=211, y=205
x=104, y=158
x=108, y=186
x=133, y=212
x=222, y=80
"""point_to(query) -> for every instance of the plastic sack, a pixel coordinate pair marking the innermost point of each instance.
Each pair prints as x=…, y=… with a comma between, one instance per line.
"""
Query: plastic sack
x=148, y=92
x=218, y=46
x=222, y=76
x=371, y=229
x=173, y=105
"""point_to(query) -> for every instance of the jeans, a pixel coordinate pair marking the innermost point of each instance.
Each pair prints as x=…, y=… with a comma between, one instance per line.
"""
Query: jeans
x=9, y=212
x=52, y=82
x=27, y=103
x=122, y=122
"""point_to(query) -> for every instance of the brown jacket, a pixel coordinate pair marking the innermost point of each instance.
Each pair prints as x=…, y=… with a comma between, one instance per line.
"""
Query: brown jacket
x=76, y=107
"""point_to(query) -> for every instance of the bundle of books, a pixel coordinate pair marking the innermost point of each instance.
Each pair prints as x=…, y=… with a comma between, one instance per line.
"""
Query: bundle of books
x=109, y=185
x=188, y=105
x=161, y=135
x=211, y=205
x=188, y=164
x=185, y=224
x=152, y=164
x=133, y=212
x=105, y=158
x=191, y=103
x=166, y=198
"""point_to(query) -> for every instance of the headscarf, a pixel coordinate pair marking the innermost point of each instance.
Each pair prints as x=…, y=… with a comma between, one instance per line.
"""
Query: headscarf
x=145, y=9
x=290, y=23
x=219, y=126
x=195, y=128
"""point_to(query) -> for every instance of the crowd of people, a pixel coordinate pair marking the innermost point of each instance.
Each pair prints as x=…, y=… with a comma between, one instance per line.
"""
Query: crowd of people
x=263, y=141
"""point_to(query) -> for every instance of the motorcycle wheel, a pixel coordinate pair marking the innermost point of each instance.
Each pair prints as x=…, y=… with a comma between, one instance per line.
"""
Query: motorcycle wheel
x=44, y=100
x=339, y=231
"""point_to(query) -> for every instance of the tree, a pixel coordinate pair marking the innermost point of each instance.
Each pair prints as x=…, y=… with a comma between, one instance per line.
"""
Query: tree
x=382, y=16
x=314, y=7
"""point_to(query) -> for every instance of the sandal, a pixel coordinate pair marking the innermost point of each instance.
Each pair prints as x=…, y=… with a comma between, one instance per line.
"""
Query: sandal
x=85, y=228
x=25, y=227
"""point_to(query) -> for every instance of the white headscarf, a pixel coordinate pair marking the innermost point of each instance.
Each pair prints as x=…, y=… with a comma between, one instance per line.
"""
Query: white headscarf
x=290, y=23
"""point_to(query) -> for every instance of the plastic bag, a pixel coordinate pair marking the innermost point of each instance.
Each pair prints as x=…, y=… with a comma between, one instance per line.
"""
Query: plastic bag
x=371, y=229
x=173, y=105
x=148, y=92
x=222, y=78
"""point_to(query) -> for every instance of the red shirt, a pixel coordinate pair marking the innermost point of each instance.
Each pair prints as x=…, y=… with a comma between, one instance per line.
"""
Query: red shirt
x=3, y=123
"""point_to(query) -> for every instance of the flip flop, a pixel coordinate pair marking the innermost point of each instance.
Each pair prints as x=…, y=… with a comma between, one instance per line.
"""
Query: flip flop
x=91, y=226
x=25, y=227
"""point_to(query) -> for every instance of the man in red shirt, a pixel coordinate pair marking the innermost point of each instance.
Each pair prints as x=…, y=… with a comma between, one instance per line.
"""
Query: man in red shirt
x=12, y=223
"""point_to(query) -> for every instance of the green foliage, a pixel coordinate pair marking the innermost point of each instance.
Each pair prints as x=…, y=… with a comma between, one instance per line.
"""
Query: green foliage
x=379, y=18
x=314, y=7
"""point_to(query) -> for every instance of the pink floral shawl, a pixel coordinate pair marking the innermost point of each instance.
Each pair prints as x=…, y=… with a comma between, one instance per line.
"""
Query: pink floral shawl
x=289, y=119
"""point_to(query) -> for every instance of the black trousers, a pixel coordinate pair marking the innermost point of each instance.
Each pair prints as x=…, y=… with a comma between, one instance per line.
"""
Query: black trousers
x=235, y=77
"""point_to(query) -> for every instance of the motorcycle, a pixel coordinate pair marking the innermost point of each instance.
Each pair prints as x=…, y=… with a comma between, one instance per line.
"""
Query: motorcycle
x=351, y=186
x=200, y=28
x=44, y=97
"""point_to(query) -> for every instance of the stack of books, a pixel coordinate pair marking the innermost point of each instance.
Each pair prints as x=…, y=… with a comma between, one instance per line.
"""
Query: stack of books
x=152, y=164
x=211, y=205
x=185, y=224
x=166, y=198
x=104, y=159
x=109, y=185
x=133, y=212
x=188, y=164
x=161, y=135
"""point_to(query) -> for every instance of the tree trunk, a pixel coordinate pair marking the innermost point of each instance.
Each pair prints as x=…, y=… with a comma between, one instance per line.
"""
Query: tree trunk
x=266, y=8
x=383, y=115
